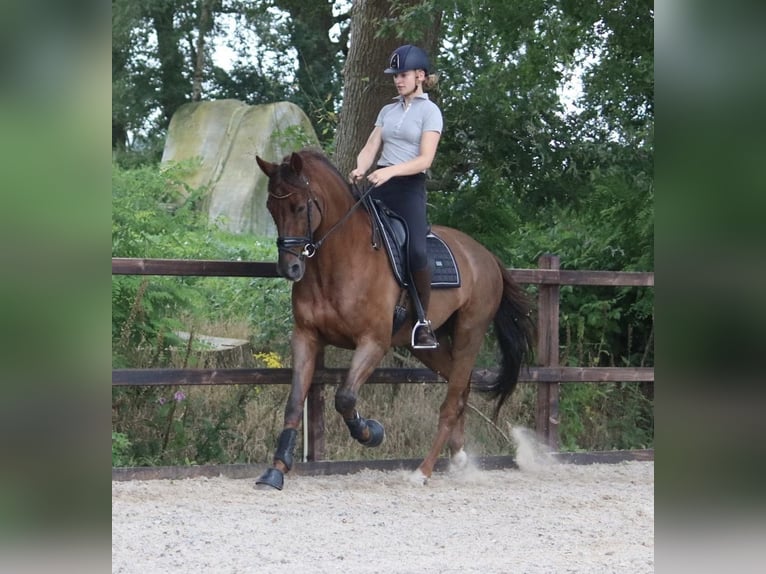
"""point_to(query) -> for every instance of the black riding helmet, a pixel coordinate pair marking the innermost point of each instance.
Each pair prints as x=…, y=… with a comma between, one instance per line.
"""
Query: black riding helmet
x=407, y=57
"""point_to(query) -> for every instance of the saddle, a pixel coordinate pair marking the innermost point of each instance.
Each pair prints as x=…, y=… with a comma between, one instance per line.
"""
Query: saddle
x=390, y=230
x=393, y=236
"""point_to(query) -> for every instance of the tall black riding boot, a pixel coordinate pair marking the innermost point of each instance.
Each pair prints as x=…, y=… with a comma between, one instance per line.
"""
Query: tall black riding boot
x=423, y=335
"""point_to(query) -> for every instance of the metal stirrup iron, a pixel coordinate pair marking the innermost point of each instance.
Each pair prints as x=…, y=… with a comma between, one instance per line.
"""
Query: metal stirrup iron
x=425, y=323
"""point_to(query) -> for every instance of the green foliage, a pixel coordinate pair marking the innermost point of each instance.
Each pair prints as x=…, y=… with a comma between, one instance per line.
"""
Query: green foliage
x=154, y=215
x=121, y=450
x=174, y=426
x=293, y=138
x=282, y=51
x=608, y=416
x=151, y=207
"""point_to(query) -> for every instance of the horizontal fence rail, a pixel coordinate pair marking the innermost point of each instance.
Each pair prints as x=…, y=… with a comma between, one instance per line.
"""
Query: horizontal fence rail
x=193, y=268
x=547, y=375
x=214, y=268
x=479, y=377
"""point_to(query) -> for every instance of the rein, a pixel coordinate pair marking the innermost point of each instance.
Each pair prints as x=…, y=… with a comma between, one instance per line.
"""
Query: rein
x=310, y=247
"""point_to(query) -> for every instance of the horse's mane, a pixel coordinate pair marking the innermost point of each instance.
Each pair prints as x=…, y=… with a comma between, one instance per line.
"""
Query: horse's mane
x=315, y=155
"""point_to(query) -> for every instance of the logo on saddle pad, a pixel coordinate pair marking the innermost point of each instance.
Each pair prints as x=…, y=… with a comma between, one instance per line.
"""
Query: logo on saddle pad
x=445, y=273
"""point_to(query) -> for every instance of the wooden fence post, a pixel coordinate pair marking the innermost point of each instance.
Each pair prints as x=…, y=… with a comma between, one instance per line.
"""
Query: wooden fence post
x=547, y=419
x=315, y=407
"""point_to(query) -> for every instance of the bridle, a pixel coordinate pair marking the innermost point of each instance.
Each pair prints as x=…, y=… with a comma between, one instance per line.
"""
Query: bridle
x=308, y=247
x=305, y=243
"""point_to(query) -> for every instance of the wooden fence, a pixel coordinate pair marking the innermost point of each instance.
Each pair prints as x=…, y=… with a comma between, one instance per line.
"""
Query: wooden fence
x=547, y=374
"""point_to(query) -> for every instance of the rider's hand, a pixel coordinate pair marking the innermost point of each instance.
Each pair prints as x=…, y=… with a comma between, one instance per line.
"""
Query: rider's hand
x=355, y=175
x=380, y=176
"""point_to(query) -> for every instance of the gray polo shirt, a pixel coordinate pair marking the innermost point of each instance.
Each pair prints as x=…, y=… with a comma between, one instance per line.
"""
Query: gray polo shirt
x=402, y=128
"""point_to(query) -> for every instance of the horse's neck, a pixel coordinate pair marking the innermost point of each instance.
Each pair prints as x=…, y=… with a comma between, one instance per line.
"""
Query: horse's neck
x=347, y=250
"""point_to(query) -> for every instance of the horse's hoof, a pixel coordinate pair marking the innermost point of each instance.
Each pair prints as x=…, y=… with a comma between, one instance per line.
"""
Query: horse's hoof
x=272, y=478
x=377, y=433
x=459, y=460
x=418, y=478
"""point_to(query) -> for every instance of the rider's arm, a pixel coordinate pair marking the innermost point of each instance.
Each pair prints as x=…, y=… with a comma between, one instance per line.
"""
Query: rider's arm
x=367, y=155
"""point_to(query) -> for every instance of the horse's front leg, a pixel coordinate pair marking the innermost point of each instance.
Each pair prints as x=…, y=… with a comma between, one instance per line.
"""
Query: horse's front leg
x=305, y=349
x=367, y=357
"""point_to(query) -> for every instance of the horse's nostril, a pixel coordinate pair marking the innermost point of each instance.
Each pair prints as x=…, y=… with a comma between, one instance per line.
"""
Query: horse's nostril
x=294, y=272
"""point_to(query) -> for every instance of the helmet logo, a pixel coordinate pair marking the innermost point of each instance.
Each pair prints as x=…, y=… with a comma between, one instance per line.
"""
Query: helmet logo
x=395, y=61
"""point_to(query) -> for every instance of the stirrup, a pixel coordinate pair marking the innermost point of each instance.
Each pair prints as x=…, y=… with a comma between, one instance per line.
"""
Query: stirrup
x=427, y=324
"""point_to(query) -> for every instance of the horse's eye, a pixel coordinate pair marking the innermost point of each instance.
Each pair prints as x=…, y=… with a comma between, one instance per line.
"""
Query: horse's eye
x=300, y=209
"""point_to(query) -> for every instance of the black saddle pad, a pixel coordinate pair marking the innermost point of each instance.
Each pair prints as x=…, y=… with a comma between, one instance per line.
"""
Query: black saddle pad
x=394, y=237
x=445, y=271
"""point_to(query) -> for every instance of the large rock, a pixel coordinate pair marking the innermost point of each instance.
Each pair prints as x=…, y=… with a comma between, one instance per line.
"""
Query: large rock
x=226, y=135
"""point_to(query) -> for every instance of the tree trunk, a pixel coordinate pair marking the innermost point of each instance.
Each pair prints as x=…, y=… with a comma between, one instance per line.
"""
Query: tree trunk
x=173, y=90
x=204, y=27
x=119, y=136
x=366, y=87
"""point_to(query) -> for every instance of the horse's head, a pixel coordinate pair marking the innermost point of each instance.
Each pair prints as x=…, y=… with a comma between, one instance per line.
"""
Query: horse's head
x=296, y=213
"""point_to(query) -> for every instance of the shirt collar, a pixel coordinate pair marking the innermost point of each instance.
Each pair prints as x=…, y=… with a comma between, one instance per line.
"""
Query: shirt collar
x=423, y=96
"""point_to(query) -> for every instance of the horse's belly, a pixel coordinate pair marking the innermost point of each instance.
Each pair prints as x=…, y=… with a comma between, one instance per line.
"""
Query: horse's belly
x=344, y=330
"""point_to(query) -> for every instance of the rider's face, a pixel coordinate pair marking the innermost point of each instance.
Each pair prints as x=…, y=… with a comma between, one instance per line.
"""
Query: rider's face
x=407, y=82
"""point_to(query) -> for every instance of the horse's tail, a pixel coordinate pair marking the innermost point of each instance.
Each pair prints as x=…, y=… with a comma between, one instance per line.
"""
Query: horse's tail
x=515, y=332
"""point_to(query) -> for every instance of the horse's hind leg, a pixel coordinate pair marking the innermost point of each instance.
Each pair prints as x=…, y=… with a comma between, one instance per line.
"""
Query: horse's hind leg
x=456, y=366
x=440, y=362
x=456, y=440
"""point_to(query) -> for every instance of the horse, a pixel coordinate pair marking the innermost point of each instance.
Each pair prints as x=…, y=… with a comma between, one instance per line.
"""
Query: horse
x=344, y=294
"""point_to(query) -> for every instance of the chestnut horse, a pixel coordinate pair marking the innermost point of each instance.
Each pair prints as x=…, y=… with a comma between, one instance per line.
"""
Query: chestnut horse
x=344, y=294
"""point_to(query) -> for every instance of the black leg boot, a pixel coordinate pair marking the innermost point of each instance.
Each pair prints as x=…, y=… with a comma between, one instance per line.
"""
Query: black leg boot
x=423, y=334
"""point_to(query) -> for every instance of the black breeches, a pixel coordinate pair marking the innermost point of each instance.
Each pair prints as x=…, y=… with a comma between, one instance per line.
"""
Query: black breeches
x=406, y=196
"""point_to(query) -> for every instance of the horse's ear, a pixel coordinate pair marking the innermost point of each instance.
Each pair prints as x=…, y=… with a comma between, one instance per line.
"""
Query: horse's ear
x=268, y=168
x=296, y=163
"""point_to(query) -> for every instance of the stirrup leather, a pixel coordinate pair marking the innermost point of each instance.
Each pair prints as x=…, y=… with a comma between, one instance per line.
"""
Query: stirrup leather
x=427, y=324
